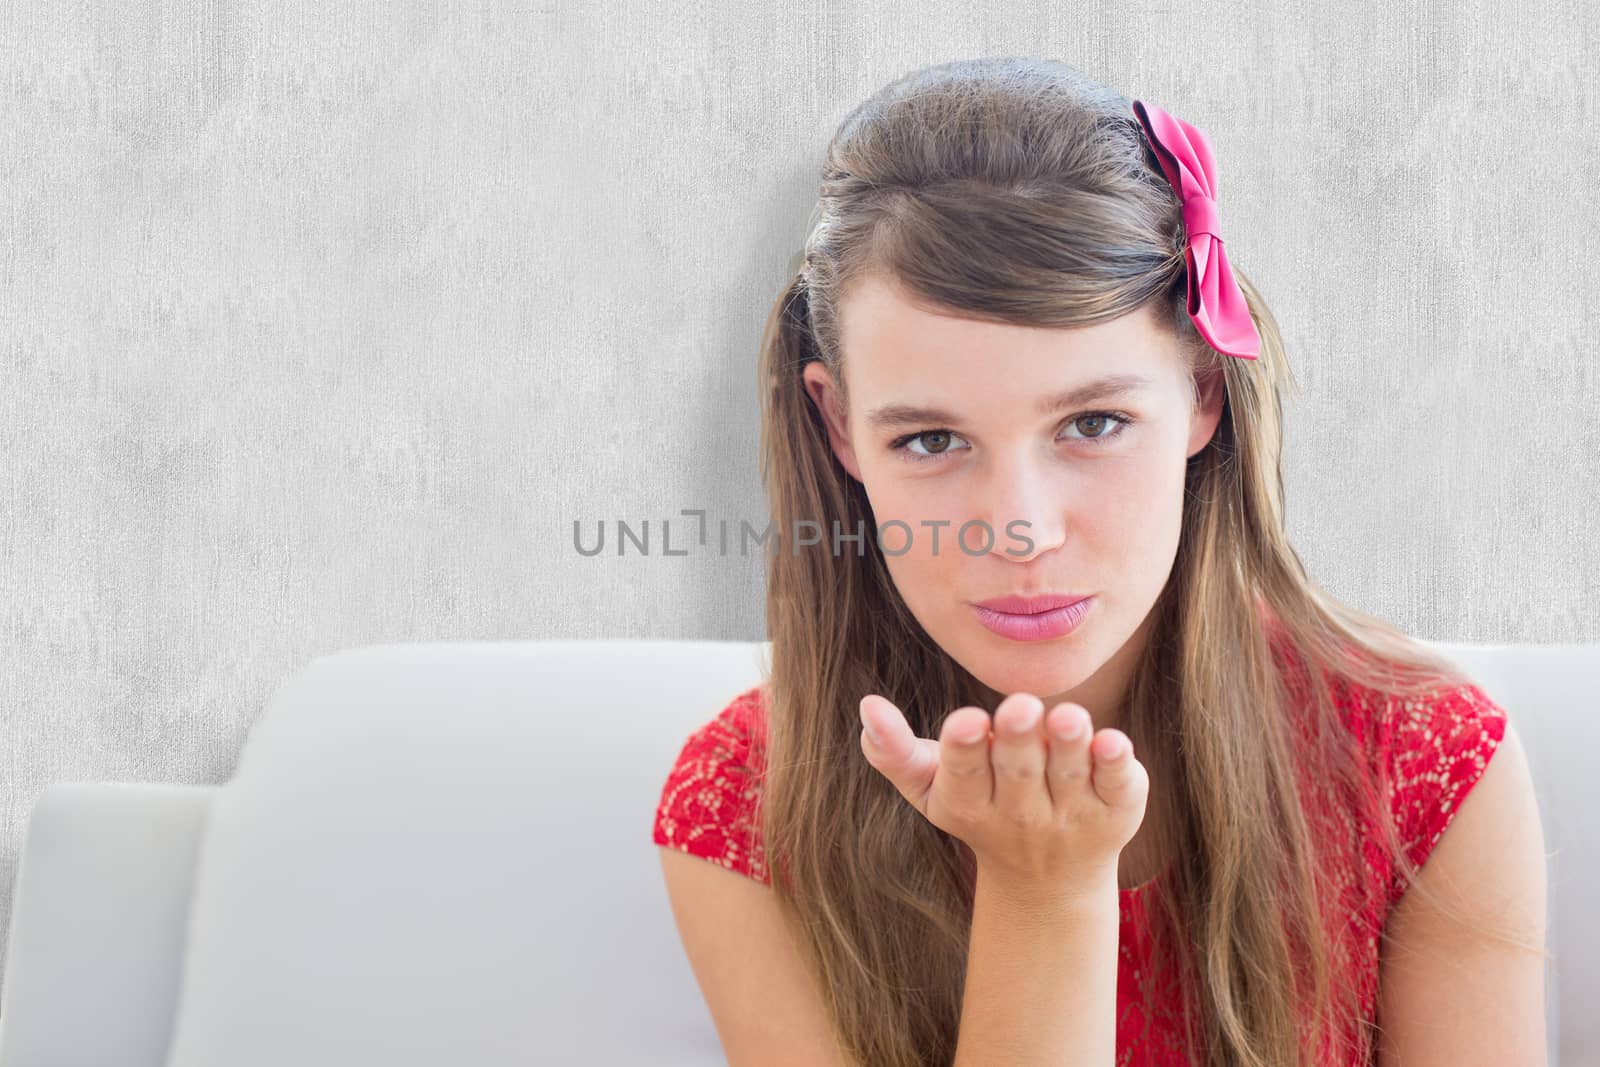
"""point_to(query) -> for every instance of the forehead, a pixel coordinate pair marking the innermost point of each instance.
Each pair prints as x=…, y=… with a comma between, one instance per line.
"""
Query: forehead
x=897, y=349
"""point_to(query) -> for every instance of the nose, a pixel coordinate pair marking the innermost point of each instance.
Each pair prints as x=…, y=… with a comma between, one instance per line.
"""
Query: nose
x=1024, y=504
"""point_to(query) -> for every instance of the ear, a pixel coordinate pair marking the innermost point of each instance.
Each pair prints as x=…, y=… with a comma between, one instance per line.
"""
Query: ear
x=824, y=393
x=1208, y=412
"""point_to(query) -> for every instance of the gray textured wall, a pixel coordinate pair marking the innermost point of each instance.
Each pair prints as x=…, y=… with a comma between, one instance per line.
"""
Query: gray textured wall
x=322, y=322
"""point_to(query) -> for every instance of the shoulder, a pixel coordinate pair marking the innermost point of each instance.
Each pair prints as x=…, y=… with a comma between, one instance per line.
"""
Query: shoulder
x=1436, y=750
x=709, y=804
x=1428, y=754
x=1463, y=959
x=732, y=736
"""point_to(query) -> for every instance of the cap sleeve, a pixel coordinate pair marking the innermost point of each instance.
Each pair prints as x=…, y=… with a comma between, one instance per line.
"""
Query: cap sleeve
x=709, y=805
x=1437, y=749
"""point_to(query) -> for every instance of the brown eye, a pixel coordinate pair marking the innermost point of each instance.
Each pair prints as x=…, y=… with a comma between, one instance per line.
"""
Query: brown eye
x=928, y=444
x=1108, y=426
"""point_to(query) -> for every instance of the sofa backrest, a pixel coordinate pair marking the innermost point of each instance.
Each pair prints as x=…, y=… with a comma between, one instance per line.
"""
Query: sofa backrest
x=441, y=853
x=382, y=882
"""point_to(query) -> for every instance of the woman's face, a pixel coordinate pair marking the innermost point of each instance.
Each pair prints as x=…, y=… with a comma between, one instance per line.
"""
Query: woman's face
x=948, y=424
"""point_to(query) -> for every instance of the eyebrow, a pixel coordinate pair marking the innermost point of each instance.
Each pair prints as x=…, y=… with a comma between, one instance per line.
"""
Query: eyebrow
x=886, y=416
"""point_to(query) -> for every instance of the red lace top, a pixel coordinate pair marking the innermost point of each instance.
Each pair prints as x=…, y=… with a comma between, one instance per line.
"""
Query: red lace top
x=1435, y=751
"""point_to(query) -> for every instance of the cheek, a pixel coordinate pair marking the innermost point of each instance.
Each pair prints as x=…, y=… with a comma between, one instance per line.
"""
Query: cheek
x=903, y=504
x=1137, y=505
x=923, y=560
x=1137, y=543
x=916, y=549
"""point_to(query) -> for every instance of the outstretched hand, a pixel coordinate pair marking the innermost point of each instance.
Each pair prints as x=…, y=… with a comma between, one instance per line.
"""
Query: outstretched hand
x=1042, y=798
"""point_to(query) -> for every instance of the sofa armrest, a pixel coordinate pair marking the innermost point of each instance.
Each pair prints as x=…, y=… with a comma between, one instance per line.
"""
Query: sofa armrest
x=98, y=923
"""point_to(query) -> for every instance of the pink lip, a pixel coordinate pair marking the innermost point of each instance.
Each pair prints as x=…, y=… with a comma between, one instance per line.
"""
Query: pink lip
x=1045, y=617
x=1030, y=605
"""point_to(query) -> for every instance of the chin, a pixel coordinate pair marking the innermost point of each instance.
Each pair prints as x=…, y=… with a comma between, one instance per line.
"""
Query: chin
x=1042, y=668
x=1042, y=684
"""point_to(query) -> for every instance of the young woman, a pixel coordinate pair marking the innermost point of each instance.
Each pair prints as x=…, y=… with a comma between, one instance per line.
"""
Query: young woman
x=1068, y=761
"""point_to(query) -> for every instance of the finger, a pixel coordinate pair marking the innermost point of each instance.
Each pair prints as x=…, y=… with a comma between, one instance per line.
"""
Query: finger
x=1117, y=775
x=965, y=776
x=895, y=751
x=1067, y=772
x=1018, y=755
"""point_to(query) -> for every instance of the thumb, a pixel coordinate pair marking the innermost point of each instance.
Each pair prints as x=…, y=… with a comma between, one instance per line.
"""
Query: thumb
x=908, y=761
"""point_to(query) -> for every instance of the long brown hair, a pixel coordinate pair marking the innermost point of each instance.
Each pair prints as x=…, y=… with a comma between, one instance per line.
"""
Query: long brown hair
x=1020, y=191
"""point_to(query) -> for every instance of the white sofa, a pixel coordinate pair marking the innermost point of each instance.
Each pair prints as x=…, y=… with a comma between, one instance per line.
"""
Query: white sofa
x=440, y=854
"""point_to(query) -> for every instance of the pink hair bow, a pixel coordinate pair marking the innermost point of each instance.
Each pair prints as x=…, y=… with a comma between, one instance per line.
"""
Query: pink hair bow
x=1216, y=303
